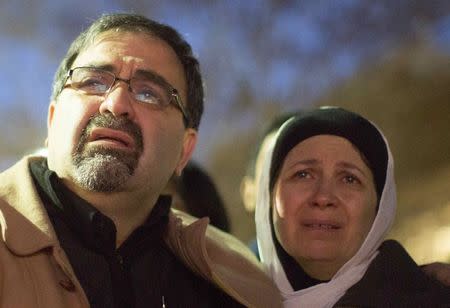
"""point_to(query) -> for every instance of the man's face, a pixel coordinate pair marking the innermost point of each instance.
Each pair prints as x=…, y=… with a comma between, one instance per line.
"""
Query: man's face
x=111, y=142
x=324, y=202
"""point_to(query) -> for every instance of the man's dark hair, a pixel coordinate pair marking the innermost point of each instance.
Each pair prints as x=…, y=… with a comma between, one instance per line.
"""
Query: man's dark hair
x=201, y=196
x=140, y=24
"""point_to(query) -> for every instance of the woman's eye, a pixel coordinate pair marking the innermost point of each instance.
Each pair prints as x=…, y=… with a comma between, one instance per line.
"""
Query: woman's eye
x=350, y=179
x=302, y=174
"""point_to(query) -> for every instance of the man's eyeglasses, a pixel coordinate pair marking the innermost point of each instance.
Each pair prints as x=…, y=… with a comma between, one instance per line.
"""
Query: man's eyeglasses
x=145, y=89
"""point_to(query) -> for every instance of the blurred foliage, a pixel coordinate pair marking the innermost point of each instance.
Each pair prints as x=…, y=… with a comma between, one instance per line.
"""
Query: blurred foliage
x=408, y=95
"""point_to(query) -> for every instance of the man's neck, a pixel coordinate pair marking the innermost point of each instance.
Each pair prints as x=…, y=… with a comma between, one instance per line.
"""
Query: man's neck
x=127, y=210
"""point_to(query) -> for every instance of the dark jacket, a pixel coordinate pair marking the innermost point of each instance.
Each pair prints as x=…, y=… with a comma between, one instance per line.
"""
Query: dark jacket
x=393, y=279
x=35, y=271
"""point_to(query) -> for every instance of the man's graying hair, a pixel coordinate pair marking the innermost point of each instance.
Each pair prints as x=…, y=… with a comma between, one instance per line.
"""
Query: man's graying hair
x=140, y=24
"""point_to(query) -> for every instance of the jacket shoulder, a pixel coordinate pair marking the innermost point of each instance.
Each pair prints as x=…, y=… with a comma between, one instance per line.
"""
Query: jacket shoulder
x=24, y=223
x=222, y=259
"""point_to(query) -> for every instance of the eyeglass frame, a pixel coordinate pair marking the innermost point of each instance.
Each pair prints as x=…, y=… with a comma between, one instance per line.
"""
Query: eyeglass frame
x=173, y=92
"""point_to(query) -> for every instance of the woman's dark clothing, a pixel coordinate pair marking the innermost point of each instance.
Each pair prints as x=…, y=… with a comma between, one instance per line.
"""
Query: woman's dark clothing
x=393, y=279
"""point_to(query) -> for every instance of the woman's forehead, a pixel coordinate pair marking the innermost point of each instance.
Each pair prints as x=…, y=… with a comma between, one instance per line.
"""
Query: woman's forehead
x=320, y=148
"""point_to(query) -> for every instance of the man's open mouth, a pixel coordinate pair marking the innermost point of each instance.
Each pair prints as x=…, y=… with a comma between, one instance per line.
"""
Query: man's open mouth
x=112, y=136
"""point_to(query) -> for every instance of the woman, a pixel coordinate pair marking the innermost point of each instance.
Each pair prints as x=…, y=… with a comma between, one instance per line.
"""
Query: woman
x=328, y=200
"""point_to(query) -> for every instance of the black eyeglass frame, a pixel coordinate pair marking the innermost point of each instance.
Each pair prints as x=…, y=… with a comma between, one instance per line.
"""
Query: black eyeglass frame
x=173, y=92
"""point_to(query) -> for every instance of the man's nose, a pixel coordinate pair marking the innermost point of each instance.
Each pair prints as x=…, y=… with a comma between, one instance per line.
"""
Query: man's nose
x=118, y=101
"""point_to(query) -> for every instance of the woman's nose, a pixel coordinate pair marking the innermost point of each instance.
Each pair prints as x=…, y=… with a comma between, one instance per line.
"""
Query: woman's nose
x=324, y=195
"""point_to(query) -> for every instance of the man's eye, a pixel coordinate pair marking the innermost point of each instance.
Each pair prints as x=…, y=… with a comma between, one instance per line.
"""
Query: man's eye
x=92, y=84
x=149, y=93
x=148, y=96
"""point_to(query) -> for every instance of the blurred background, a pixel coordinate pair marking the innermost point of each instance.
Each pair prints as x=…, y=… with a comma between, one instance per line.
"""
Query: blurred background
x=388, y=60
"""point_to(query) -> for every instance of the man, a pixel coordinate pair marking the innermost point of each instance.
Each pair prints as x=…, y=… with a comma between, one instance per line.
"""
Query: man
x=88, y=225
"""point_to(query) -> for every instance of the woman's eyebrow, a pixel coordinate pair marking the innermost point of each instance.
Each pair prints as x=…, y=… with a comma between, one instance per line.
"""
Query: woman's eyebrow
x=305, y=162
x=349, y=165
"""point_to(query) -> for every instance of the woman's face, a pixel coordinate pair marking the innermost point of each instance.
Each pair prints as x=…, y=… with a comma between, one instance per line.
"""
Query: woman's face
x=324, y=204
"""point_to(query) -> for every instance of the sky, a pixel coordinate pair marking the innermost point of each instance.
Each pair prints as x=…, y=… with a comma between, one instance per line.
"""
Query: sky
x=252, y=53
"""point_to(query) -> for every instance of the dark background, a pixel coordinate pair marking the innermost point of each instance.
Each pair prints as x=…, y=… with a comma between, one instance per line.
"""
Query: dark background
x=389, y=60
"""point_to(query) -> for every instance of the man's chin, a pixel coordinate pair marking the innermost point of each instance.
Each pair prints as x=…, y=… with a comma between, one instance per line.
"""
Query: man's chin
x=103, y=172
x=92, y=149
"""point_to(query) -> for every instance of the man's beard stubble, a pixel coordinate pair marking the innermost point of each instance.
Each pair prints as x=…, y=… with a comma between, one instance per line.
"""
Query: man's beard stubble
x=103, y=169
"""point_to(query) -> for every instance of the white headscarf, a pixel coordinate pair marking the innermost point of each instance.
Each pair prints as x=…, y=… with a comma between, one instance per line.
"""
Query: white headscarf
x=323, y=294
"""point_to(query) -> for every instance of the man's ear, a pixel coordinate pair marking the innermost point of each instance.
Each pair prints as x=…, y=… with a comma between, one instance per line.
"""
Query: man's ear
x=51, y=110
x=189, y=142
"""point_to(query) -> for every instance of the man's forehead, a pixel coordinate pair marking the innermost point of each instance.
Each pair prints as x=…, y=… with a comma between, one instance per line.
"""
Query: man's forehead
x=105, y=44
x=128, y=47
x=138, y=54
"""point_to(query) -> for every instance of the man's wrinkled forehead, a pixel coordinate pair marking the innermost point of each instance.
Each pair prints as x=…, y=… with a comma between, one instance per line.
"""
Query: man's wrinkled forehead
x=111, y=46
x=109, y=34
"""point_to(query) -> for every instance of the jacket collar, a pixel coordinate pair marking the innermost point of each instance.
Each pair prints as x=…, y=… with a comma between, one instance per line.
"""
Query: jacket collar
x=24, y=223
x=222, y=259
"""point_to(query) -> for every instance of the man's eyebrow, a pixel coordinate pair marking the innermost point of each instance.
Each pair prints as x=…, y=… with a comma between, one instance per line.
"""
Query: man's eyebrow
x=140, y=73
x=153, y=76
x=102, y=66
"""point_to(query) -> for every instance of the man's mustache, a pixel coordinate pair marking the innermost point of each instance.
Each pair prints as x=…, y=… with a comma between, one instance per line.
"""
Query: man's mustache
x=108, y=120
